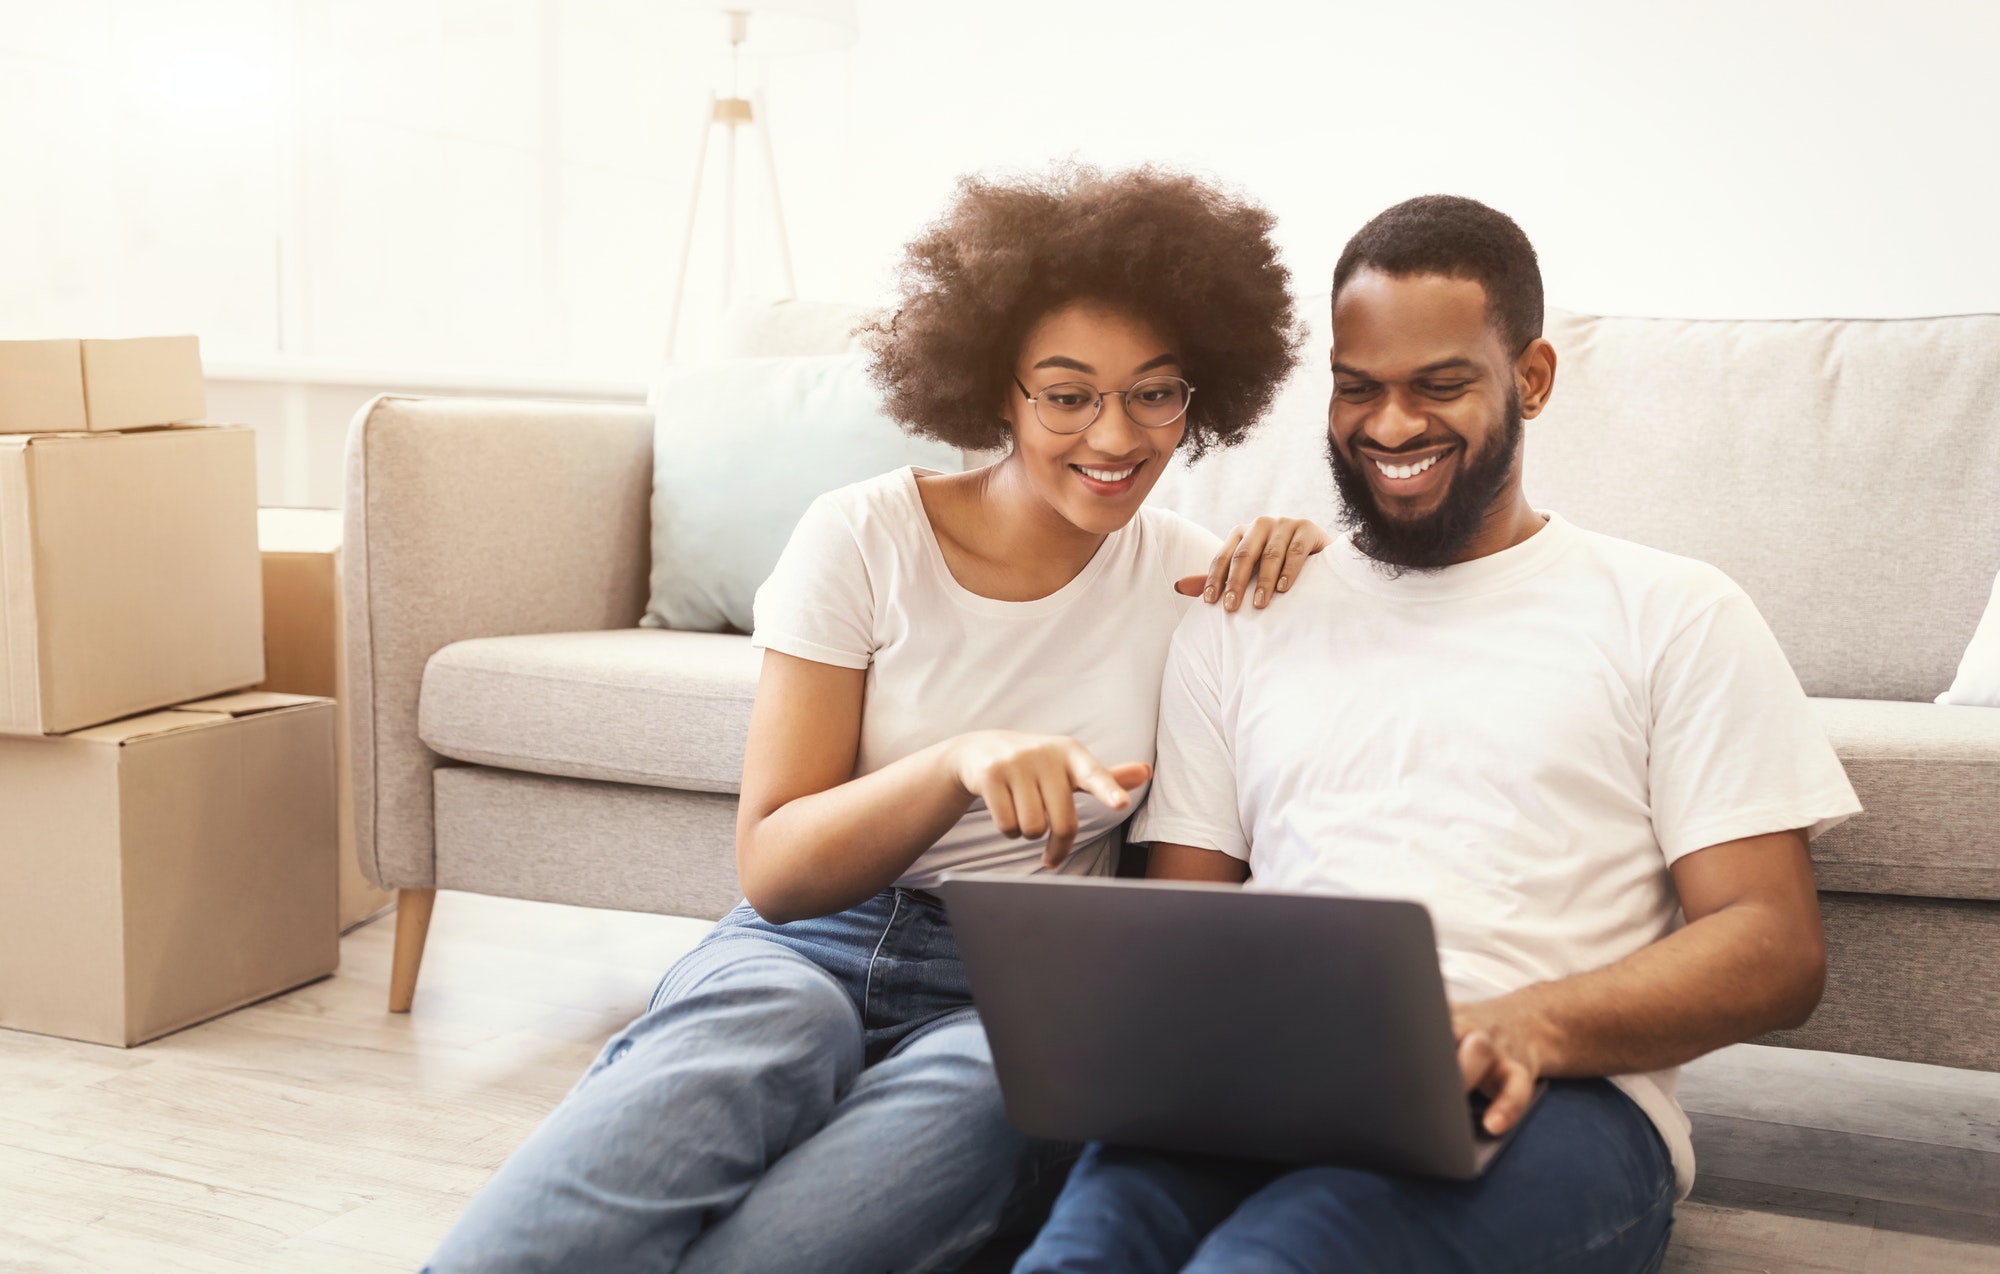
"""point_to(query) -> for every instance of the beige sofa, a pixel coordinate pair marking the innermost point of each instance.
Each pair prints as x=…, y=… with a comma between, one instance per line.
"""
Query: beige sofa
x=514, y=733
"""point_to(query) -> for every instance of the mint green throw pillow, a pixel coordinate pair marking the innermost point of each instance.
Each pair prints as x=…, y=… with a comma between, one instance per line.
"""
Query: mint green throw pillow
x=740, y=448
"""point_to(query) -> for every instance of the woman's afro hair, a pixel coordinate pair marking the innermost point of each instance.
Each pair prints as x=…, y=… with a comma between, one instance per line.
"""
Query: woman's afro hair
x=1192, y=259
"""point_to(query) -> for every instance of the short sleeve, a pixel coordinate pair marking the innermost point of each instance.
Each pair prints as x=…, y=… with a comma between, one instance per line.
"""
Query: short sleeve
x=1736, y=749
x=818, y=603
x=1193, y=798
x=1188, y=546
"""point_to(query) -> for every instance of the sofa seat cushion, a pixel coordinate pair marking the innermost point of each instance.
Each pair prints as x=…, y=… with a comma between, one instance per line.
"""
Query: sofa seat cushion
x=630, y=705
x=1929, y=778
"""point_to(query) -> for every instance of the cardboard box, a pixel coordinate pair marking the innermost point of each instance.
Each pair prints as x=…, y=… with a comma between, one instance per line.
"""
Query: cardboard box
x=41, y=387
x=304, y=653
x=129, y=575
x=166, y=868
x=153, y=380
x=71, y=386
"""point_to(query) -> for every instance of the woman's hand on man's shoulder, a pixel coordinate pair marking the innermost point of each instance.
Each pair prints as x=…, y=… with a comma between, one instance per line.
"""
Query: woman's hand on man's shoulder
x=1259, y=560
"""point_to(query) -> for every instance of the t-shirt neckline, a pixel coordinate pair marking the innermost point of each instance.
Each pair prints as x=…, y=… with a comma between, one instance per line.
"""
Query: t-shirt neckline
x=934, y=554
x=1495, y=571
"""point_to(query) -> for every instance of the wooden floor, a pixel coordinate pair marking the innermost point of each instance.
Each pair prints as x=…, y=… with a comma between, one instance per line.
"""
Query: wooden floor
x=316, y=1132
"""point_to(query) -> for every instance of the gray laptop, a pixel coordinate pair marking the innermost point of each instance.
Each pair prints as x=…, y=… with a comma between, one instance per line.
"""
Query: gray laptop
x=1216, y=1020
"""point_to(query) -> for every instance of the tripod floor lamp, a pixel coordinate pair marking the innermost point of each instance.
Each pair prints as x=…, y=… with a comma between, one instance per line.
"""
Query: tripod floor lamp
x=756, y=29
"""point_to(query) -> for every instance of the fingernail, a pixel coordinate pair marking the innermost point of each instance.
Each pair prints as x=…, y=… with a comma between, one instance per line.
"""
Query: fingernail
x=1229, y=600
x=1208, y=594
x=1284, y=582
x=1260, y=596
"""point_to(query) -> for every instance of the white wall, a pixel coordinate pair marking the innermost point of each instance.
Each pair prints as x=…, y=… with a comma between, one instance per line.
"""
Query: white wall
x=500, y=184
x=477, y=184
x=1688, y=157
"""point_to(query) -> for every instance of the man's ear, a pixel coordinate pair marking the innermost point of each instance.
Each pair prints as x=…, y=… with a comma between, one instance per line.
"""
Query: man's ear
x=1535, y=376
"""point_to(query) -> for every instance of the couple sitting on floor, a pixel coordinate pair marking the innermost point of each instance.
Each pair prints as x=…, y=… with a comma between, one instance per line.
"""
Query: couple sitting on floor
x=1588, y=759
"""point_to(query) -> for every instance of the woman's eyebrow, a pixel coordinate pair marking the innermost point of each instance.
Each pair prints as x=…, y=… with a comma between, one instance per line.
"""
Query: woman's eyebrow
x=1076, y=365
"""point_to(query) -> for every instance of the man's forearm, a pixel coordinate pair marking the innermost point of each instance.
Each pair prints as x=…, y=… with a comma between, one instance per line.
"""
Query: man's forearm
x=1734, y=974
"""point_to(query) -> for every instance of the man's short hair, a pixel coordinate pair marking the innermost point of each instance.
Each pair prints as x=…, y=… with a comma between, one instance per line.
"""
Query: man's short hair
x=1461, y=239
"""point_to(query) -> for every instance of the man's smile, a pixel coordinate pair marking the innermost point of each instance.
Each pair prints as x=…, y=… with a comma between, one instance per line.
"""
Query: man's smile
x=1409, y=474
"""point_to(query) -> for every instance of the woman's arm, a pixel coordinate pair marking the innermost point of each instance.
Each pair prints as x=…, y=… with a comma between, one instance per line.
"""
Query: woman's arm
x=811, y=839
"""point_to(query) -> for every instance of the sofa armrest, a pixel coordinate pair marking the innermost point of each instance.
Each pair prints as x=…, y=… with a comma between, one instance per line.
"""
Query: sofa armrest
x=473, y=518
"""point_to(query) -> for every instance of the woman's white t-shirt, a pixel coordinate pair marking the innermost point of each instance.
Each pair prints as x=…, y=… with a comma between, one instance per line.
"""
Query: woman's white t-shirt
x=863, y=584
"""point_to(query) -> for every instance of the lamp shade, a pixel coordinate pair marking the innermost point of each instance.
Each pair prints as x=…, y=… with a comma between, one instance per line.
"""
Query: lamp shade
x=777, y=28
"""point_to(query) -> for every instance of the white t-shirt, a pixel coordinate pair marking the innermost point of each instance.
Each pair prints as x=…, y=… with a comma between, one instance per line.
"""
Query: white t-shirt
x=1523, y=743
x=863, y=584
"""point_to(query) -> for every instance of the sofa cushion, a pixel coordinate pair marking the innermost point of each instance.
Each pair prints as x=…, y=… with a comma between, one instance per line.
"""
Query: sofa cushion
x=1929, y=779
x=740, y=448
x=1845, y=473
x=631, y=705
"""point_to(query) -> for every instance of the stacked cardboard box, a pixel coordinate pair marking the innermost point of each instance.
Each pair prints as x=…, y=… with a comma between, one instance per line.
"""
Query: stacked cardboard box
x=165, y=854
x=305, y=653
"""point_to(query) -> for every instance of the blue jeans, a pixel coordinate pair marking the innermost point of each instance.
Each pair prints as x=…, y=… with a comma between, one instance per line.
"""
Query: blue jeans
x=811, y=1096
x=1585, y=1186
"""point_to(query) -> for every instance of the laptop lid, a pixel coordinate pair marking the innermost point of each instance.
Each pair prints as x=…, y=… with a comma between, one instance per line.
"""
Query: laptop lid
x=1212, y=1019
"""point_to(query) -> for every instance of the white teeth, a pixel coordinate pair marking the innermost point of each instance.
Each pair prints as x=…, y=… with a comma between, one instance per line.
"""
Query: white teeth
x=1407, y=470
x=1108, y=475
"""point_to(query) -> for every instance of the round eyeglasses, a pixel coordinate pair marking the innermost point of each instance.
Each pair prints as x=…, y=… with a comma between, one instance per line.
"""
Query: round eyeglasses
x=1072, y=406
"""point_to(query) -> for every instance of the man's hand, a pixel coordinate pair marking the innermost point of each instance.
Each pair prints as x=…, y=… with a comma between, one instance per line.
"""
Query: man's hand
x=1752, y=927
x=1499, y=1056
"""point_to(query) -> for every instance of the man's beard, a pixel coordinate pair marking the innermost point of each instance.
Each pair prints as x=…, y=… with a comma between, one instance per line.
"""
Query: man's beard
x=1436, y=540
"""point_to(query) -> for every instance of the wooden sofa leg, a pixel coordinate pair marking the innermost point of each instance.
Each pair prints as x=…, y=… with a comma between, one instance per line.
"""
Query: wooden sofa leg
x=413, y=925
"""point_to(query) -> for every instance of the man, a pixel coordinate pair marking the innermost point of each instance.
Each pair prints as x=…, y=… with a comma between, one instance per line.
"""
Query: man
x=1560, y=742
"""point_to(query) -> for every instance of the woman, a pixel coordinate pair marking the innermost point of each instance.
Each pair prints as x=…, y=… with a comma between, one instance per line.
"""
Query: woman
x=950, y=659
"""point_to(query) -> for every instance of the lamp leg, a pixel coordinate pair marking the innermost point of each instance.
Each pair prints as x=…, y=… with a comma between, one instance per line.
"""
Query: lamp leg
x=687, y=236
x=729, y=216
x=762, y=122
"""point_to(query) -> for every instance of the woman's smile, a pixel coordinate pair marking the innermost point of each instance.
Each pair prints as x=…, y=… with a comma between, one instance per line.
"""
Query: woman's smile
x=1109, y=480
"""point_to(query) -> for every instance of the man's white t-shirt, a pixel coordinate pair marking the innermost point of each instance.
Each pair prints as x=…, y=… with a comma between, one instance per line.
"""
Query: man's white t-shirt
x=863, y=584
x=1523, y=743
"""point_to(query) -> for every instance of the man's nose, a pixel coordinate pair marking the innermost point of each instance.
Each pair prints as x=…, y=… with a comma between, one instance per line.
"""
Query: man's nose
x=1396, y=424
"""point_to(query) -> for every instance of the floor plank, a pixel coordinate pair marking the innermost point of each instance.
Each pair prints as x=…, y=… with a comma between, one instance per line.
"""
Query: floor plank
x=316, y=1132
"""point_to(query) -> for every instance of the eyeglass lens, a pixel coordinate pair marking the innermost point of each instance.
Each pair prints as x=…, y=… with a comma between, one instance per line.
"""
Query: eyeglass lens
x=1153, y=403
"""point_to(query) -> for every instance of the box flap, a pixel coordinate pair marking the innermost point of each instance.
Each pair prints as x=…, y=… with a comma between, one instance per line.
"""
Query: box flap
x=246, y=703
x=56, y=437
x=192, y=716
x=147, y=725
x=299, y=530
